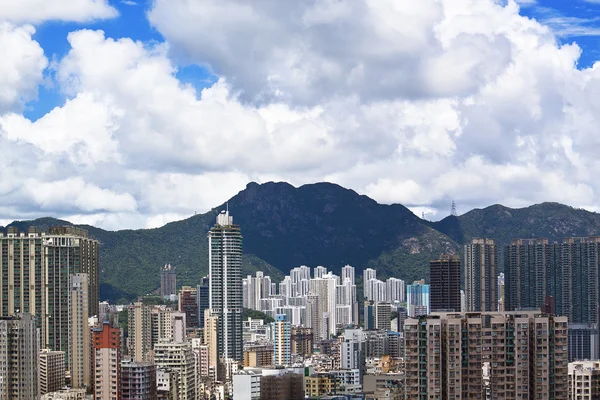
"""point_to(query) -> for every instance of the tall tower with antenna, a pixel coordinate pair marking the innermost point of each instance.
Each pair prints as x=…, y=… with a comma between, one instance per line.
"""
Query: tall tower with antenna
x=453, y=209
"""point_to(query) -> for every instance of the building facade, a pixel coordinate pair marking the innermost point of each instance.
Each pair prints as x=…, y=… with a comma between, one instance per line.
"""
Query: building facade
x=107, y=362
x=138, y=380
x=465, y=355
x=139, y=327
x=19, y=354
x=282, y=341
x=79, y=332
x=178, y=357
x=52, y=371
x=35, y=270
x=444, y=274
x=188, y=304
x=584, y=380
x=417, y=299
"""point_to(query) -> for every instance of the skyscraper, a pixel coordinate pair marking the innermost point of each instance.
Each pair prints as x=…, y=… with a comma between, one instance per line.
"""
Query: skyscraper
x=348, y=273
x=19, y=355
x=79, y=332
x=168, y=281
x=445, y=283
x=225, y=286
x=282, y=336
x=37, y=268
x=481, y=258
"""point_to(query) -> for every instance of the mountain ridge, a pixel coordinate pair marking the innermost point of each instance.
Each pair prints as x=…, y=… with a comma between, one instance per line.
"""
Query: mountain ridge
x=314, y=224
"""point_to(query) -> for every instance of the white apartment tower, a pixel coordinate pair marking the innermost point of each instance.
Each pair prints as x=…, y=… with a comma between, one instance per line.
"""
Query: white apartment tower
x=225, y=285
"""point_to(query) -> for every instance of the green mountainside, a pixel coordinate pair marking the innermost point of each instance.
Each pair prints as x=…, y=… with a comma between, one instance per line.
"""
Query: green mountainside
x=317, y=224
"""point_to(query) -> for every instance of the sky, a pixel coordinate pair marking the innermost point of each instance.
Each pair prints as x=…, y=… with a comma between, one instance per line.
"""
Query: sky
x=131, y=114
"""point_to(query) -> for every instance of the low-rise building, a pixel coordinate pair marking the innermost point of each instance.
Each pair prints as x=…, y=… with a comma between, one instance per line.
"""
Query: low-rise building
x=321, y=384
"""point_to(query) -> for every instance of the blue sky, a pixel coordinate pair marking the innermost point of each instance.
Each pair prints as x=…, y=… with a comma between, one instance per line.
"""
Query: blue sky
x=573, y=21
x=407, y=102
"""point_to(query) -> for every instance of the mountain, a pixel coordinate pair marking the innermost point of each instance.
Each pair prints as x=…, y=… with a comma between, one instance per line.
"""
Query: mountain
x=317, y=224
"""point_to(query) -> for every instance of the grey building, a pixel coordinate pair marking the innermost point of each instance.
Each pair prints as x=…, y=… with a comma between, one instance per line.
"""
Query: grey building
x=19, y=347
x=480, y=271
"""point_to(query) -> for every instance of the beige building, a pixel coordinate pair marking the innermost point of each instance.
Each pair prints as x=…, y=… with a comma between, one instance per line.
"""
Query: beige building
x=79, y=332
x=210, y=339
x=258, y=356
x=67, y=394
x=52, y=371
x=321, y=385
x=510, y=354
x=139, y=327
x=584, y=380
x=178, y=357
x=302, y=341
x=162, y=326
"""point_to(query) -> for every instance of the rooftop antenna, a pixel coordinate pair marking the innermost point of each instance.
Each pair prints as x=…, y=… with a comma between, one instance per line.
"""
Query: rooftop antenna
x=453, y=209
x=227, y=207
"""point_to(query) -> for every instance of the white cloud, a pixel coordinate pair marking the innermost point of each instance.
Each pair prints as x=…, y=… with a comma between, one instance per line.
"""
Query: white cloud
x=38, y=11
x=22, y=66
x=418, y=103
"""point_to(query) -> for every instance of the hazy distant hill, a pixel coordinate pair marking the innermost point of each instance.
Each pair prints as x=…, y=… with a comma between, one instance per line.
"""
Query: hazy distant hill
x=317, y=224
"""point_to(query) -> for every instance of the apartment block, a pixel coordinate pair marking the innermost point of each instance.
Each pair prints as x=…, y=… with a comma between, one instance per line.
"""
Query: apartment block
x=139, y=328
x=463, y=355
x=138, y=380
x=19, y=354
x=584, y=380
x=302, y=341
x=52, y=371
x=107, y=359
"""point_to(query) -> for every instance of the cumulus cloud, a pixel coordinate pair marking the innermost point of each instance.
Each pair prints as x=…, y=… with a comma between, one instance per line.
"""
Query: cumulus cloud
x=418, y=103
x=37, y=11
x=22, y=66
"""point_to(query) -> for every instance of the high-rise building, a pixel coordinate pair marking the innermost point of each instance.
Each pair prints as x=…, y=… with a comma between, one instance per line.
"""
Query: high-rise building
x=313, y=318
x=444, y=274
x=584, y=380
x=139, y=327
x=37, y=267
x=211, y=332
x=382, y=313
x=567, y=273
x=162, y=324
x=19, y=354
x=282, y=345
x=348, y=273
x=178, y=357
x=52, y=371
x=319, y=271
x=466, y=355
x=377, y=290
x=255, y=289
x=168, y=281
x=480, y=267
x=225, y=272
x=203, y=300
x=395, y=291
x=302, y=341
x=188, y=304
x=325, y=288
x=107, y=361
x=417, y=299
x=79, y=332
x=353, y=349
x=67, y=251
x=138, y=380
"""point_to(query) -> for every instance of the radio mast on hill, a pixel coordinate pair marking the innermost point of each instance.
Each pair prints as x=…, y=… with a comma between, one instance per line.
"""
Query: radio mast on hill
x=453, y=209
